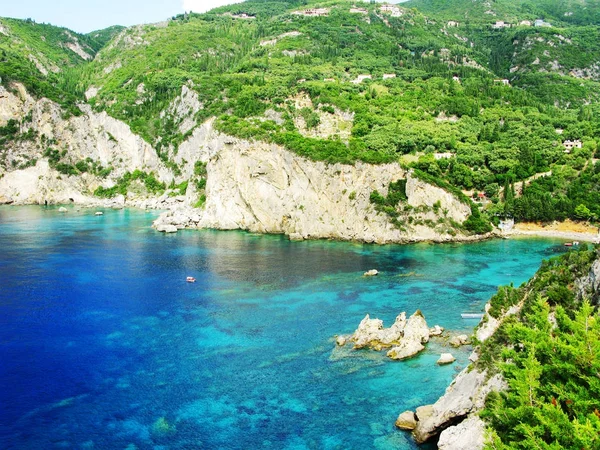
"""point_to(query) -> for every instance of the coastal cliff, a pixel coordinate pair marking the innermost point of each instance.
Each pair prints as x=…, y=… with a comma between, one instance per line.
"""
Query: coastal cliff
x=249, y=185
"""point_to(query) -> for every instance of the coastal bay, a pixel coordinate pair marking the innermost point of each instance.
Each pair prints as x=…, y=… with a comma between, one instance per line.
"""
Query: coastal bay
x=103, y=342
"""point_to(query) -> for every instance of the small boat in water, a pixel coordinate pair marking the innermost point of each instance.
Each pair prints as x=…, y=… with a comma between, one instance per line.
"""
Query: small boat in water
x=471, y=315
x=190, y=279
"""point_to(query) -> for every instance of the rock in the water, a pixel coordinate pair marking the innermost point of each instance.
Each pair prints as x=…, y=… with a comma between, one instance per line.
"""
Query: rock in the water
x=457, y=341
x=62, y=209
x=470, y=433
x=166, y=228
x=371, y=333
x=406, y=349
x=446, y=358
x=436, y=331
x=371, y=273
x=406, y=421
x=340, y=340
x=416, y=333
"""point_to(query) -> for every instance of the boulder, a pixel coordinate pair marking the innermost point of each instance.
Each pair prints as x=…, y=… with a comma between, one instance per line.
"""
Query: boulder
x=470, y=433
x=340, y=340
x=407, y=349
x=406, y=421
x=436, y=331
x=446, y=358
x=459, y=340
x=371, y=273
x=166, y=228
x=62, y=209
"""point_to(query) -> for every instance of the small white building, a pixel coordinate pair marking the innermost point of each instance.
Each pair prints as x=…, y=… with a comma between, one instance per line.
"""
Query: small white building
x=456, y=78
x=541, y=23
x=313, y=12
x=504, y=81
x=452, y=24
x=243, y=16
x=355, y=10
x=525, y=23
x=359, y=79
x=570, y=145
x=501, y=24
x=443, y=155
x=391, y=9
x=387, y=76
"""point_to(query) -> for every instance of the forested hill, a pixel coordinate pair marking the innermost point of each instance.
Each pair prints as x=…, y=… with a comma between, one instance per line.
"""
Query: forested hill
x=475, y=96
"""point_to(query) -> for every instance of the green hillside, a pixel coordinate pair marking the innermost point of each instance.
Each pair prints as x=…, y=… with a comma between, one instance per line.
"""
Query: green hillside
x=479, y=108
x=43, y=57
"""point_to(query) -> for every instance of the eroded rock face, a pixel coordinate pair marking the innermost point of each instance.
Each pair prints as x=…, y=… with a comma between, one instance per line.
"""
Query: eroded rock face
x=416, y=333
x=466, y=395
x=469, y=434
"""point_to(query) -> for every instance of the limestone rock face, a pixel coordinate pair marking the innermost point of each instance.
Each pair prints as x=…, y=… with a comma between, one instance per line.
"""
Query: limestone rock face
x=436, y=330
x=589, y=285
x=406, y=349
x=469, y=434
x=406, y=421
x=464, y=396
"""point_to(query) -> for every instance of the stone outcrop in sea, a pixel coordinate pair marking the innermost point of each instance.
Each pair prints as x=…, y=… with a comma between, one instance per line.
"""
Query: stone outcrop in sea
x=405, y=338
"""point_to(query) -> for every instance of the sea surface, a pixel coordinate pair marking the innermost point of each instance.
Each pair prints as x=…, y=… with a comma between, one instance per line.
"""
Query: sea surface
x=103, y=344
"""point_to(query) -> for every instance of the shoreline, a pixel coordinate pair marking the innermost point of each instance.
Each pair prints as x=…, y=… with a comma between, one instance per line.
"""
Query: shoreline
x=567, y=230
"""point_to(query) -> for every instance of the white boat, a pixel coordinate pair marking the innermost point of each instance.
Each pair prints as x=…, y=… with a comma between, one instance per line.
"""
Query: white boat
x=471, y=315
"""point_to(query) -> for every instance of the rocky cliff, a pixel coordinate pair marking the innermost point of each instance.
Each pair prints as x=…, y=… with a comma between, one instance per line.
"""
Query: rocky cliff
x=250, y=185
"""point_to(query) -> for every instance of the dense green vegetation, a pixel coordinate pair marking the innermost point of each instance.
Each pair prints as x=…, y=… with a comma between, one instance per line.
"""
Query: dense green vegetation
x=267, y=73
x=550, y=357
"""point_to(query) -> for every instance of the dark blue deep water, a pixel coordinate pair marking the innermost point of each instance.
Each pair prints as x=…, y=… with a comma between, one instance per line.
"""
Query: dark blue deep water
x=103, y=345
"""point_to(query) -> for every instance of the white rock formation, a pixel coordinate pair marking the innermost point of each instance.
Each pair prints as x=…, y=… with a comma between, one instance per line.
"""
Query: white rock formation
x=371, y=333
x=457, y=341
x=371, y=273
x=446, y=358
x=466, y=395
x=436, y=330
x=416, y=333
x=469, y=434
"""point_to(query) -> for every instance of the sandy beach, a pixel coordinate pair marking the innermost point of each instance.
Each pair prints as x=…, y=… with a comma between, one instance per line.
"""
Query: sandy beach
x=568, y=230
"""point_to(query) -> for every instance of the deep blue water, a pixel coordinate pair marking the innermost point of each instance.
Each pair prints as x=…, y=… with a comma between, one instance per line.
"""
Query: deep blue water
x=104, y=345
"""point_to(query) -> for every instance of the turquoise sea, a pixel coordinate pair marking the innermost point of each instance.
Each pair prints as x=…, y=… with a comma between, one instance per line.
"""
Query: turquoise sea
x=103, y=344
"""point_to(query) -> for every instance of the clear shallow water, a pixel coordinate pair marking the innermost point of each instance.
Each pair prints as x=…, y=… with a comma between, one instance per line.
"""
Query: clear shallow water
x=104, y=345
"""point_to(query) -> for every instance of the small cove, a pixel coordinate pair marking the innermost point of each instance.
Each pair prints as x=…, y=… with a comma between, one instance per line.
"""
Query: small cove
x=104, y=345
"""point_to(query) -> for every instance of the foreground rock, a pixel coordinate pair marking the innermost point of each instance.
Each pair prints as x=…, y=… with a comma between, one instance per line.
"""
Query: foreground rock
x=446, y=358
x=469, y=434
x=466, y=395
x=371, y=273
x=406, y=421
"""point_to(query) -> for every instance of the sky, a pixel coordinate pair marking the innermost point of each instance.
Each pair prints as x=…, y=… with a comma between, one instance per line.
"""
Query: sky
x=84, y=16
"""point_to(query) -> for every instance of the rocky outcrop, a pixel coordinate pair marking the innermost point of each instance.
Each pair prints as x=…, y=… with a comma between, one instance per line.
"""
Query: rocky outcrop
x=406, y=337
x=406, y=421
x=466, y=395
x=445, y=358
x=589, y=285
x=469, y=434
x=91, y=136
x=457, y=341
x=371, y=333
